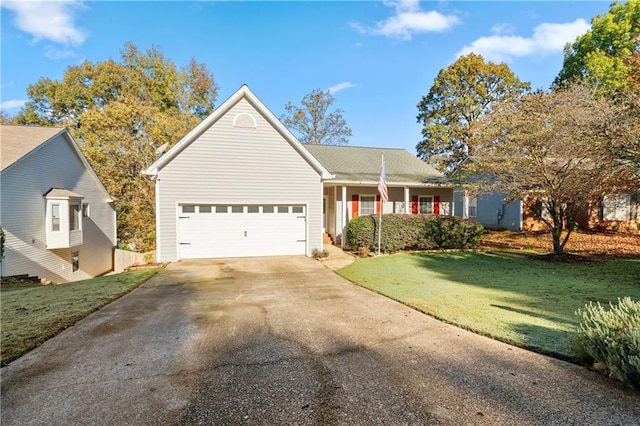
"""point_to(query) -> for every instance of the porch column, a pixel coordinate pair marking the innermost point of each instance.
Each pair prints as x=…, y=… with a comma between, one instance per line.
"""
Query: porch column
x=345, y=220
x=465, y=205
x=407, y=201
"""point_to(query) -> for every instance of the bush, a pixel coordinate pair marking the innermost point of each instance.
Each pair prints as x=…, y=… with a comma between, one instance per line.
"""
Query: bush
x=612, y=337
x=413, y=232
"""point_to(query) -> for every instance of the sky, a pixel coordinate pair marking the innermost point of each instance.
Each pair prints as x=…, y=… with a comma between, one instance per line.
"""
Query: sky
x=378, y=58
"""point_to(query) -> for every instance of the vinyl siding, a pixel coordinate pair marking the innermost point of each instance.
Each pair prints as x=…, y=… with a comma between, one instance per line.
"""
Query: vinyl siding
x=233, y=165
x=53, y=165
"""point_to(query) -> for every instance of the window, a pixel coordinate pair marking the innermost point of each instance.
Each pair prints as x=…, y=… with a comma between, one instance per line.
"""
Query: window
x=283, y=209
x=253, y=209
x=222, y=209
x=204, y=209
x=75, y=261
x=616, y=207
x=297, y=209
x=86, y=212
x=472, y=207
x=268, y=209
x=74, y=216
x=425, y=205
x=188, y=209
x=237, y=209
x=55, y=217
x=367, y=205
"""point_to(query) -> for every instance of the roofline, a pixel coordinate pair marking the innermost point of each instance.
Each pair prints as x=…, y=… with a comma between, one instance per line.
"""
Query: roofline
x=243, y=92
x=37, y=148
x=74, y=145
x=389, y=184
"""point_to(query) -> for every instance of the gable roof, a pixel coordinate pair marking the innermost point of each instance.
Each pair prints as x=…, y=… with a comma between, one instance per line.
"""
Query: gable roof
x=243, y=93
x=18, y=141
x=354, y=164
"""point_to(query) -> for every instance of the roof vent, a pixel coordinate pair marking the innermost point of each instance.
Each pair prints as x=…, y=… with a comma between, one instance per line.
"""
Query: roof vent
x=244, y=120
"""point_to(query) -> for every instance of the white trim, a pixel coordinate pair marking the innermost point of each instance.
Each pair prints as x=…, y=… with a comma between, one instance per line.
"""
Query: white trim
x=246, y=93
x=360, y=203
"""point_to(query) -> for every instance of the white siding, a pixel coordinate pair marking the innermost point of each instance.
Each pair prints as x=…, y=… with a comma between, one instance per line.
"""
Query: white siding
x=233, y=165
x=22, y=216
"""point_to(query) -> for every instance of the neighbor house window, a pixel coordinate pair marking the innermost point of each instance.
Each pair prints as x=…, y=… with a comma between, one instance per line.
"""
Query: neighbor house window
x=55, y=217
x=86, y=212
x=425, y=205
x=75, y=261
x=616, y=207
x=472, y=207
x=74, y=216
x=367, y=205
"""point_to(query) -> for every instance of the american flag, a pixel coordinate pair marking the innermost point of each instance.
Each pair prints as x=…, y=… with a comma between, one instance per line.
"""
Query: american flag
x=382, y=185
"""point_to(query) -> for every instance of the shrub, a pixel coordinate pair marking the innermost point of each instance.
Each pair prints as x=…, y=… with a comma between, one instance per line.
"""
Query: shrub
x=612, y=337
x=413, y=232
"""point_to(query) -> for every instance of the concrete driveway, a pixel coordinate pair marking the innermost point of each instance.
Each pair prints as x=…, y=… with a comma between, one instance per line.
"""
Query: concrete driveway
x=286, y=341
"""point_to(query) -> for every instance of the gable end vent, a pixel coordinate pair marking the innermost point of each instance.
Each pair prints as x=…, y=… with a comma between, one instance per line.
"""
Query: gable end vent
x=244, y=120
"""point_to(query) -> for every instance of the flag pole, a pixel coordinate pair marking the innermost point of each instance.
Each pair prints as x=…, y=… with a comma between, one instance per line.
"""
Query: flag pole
x=384, y=196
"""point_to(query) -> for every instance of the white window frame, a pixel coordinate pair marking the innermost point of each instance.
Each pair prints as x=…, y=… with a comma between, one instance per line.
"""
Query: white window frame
x=361, y=211
x=472, y=206
x=616, y=207
x=425, y=197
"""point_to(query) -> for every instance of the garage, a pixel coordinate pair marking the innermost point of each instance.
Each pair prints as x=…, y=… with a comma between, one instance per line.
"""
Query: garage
x=221, y=230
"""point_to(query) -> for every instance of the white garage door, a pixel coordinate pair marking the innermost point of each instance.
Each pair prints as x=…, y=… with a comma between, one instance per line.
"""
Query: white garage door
x=210, y=230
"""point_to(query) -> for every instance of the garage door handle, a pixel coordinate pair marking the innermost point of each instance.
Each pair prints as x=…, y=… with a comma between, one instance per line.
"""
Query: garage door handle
x=301, y=241
x=183, y=217
x=185, y=244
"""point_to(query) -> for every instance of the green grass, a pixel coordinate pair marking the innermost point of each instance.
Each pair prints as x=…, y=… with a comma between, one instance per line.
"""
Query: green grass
x=510, y=296
x=32, y=313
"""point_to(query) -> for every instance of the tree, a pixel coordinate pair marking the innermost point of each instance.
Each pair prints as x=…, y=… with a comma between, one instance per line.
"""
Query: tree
x=313, y=123
x=556, y=148
x=461, y=95
x=119, y=112
x=605, y=55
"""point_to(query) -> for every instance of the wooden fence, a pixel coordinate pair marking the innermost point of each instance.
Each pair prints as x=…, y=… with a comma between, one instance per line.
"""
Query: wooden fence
x=123, y=259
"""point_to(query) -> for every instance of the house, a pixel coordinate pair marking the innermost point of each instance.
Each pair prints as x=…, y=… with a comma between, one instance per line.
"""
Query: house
x=240, y=184
x=414, y=187
x=619, y=212
x=59, y=220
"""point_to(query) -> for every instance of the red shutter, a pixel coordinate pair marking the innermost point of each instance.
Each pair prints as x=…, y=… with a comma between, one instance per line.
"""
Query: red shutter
x=354, y=205
x=378, y=204
x=414, y=204
x=436, y=204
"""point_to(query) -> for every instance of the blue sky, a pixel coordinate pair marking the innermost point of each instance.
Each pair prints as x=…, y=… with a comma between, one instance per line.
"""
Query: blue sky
x=378, y=58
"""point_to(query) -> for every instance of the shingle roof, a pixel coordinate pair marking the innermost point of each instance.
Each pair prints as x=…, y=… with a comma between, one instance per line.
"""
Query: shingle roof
x=18, y=141
x=362, y=165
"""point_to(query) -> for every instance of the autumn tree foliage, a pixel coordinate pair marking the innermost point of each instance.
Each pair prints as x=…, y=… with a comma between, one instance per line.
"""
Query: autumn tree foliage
x=557, y=147
x=121, y=112
x=313, y=122
x=460, y=96
x=607, y=55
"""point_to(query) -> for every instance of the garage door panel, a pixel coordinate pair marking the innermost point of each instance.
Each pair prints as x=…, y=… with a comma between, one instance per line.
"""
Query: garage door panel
x=203, y=233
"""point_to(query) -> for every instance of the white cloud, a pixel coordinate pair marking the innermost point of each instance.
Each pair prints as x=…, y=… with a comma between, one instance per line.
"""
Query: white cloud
x=48, y=20
x=546, y=39
x=53, y=53
x=407, y=21
x=341, y=86
x=12, y=104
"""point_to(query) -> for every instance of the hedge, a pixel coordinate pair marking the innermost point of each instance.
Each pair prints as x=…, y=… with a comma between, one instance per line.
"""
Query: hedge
x=413, y=232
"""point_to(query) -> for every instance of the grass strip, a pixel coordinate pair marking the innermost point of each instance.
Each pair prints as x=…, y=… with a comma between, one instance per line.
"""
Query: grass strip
x=33, y=313
x=511, y=296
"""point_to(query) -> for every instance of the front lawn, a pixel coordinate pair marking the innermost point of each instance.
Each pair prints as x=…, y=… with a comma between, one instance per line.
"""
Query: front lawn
x=32, y=313
x=511, y=296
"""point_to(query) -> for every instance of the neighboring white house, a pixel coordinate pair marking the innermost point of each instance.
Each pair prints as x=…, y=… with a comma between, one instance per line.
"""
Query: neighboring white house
x=240, y=184
x=58, y=219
